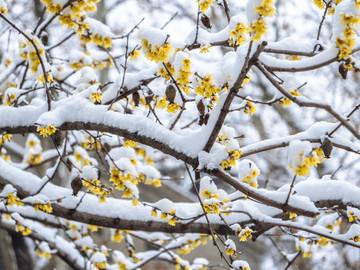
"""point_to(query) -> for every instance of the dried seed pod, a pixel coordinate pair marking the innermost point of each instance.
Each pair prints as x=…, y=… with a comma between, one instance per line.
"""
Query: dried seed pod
x=201, y=107
x=76, y=185
x=204, y=119
x=327, y=147
x=44, y=38
x=136, y=98
x=343, y=71
x=170, y=93
x=205, y=21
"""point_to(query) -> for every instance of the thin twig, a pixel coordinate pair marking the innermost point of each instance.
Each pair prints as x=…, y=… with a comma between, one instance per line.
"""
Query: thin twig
x=172, y=17
x=291, y=187
x=311, y=104
x=206, y=216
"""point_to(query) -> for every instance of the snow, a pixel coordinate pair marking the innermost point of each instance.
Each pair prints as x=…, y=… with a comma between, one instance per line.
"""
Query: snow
x=339, y=190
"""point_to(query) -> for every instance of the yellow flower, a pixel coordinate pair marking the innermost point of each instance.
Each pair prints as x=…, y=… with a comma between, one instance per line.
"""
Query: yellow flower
x=266, y=8
x=156, y=53
x=204, y=4
x=130, y=143
x=96, y=97
x=46, y=131
x=319, y=3
x=3, y=10
x=204, y=49
x=258, y=28
x=27, y=231
x=154, y=213
x=238, y=34
x=117, y=237
x=135, y=54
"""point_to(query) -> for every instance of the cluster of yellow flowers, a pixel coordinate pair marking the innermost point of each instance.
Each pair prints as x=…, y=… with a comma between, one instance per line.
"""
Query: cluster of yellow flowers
x=97, y=188
x=3, y=8
x=156, y=182
x=134, y=55
x=163, y=72
x=313, y=159
x=118, y=179
x=32, y=57
x=230, y=248
x=43, y=207
x=183, y=77
x=191, y=244
x=33, y=150
x=94, y=63
x=206, y=87
x=332, y=226
x=117, y=236
x=231, y=252
x=96, y=97
x=46, y=131
x=304, y=245
x=82, y=158
x=4, y=138
x=250, y=108
x=346, y=42
x=91, y=143
x=352, y=216
x=259, y=27
x=12, y=199
x=319, y=3
x=10, y=96
x=41, y=253
x=170, y=107
x=231, y=146
x=130, y=143
x=156, y=53
x=238, y=34
x=99, y=40
x=168, y=216
x=243, y=234
x=4, y=154
x=204, y=4
x=100, y=265
x=234, y=155
x=21, y=228
x=286, y=101
x=251, y=178
x=205, y=48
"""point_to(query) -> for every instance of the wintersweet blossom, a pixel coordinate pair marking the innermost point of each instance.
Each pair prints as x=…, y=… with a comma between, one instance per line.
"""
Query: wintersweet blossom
x=46, y=131
x=239, y=34
x=204, y=4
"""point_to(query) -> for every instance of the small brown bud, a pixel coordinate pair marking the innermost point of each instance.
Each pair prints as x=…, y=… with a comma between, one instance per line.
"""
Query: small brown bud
x=136, y=98
x=170, y=93
x=76, y=185
x=123, y=90
x=149, y=99
x=343, y=71
x=106, y=147
x=201, y=107
x=205, y=21
x=327, y=147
